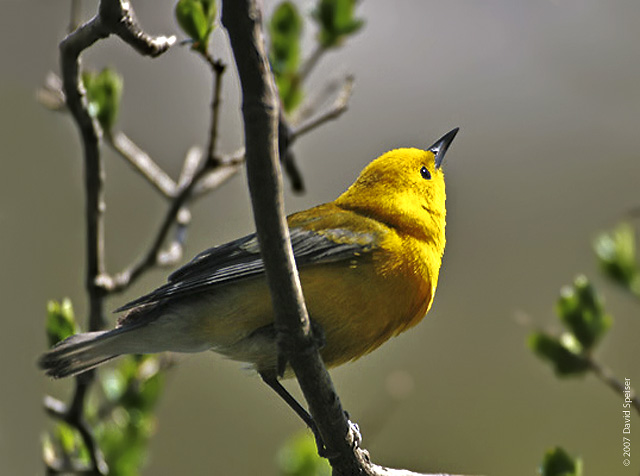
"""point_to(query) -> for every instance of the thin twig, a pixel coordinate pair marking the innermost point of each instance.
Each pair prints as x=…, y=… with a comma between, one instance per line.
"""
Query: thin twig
x=190, y=166
x=313, y=102
x=59, y=410
x=176, y=212
x=338, y=108
x=606, y=375
x=311, y=62
x=142, y=163
x=218, y=67
x=124, y=279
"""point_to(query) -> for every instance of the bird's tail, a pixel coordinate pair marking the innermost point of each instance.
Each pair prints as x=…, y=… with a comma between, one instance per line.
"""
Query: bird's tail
x=82, y=352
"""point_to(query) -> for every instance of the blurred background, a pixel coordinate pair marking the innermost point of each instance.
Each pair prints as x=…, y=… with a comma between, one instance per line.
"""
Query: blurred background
x=546, y=96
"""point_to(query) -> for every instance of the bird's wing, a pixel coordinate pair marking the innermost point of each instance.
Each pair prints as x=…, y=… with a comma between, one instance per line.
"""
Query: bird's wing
x=240, y=259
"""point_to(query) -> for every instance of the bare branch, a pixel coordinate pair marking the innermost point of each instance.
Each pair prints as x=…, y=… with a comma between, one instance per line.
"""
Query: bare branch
x=142, y=163
x=122, y=21
x=190, y=166
x=218, y=68
x=311, y=62
x=154, y=257
x=312, y=103
x=113, y=17
x=607, y=376
x=338, y=108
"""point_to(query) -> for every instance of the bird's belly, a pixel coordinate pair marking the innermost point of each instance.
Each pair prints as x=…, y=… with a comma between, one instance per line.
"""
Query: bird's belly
x=345, y=302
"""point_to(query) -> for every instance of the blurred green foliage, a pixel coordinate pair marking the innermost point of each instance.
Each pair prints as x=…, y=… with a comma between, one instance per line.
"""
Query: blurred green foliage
x=104, y=92
x=564, y=359
x=126, y=420
x=580, y=309
x=61, y=322
x=616, y=253
x=582, y=313
x=197, y=20
x=557, y=462
x=285, y=32
x=121, y=415
x=299, y=457
x=336, y=21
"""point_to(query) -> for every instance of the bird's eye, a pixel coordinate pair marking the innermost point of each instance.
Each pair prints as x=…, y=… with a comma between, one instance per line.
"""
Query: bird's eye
x=425, y=173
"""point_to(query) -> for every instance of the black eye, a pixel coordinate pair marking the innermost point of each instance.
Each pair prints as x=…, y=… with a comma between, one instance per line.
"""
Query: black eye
x=425, y=173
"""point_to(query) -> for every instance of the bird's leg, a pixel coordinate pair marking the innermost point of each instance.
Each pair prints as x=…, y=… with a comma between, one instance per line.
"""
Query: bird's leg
x=271, y=380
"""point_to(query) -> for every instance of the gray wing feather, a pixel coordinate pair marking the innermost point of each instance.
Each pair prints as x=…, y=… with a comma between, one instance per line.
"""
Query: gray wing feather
x=240, y=259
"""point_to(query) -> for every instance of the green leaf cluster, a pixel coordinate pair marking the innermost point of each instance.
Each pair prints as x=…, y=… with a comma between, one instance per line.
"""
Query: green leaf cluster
x=336, y=21
x=581, y=311
x=104, y=92
x=616, y=254
x=299, y=457
x=131, y=392
x=285, y=32
x=121, y=416
x=197, y=20
x=557, y=462
x=61, y=322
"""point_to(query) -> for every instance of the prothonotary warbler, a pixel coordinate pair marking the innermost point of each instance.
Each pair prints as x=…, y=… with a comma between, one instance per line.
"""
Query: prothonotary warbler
x=368, y=262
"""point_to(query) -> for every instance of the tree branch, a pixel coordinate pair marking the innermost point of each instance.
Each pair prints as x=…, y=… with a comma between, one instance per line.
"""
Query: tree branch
x=122, y=21
x=338, y=108
x=142, y=163
x=113, y=17
x=242, y=19
x=606, y=375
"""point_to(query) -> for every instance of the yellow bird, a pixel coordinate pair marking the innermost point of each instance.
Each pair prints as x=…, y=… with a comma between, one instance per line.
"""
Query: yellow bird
x=368, y=262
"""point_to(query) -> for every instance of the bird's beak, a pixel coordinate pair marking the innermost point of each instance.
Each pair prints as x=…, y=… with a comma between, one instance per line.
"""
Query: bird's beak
x=439, y=149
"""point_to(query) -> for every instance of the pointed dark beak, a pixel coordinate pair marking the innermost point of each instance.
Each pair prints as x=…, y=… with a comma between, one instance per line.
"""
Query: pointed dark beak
x=439, y=149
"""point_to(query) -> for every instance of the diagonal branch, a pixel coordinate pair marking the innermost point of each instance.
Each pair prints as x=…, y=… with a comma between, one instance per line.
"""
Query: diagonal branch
x=606, y=375
x=338, y=108
x=142, y=163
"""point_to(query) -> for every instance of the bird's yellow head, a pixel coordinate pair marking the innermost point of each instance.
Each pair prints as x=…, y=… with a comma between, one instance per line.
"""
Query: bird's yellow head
x=405, y=189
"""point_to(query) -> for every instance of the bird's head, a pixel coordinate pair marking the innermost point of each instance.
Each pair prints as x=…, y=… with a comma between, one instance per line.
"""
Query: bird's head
x=404, y=188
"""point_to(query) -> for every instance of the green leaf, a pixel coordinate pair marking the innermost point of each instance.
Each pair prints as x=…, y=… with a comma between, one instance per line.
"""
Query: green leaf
x=299, y=457
x=104, y=92
x=557, y=462
x=336, y=21
x=580, y=309
x=197, y=20
x=61, y=322
x=565, y=360
x=616, y=253
x=285, y=32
